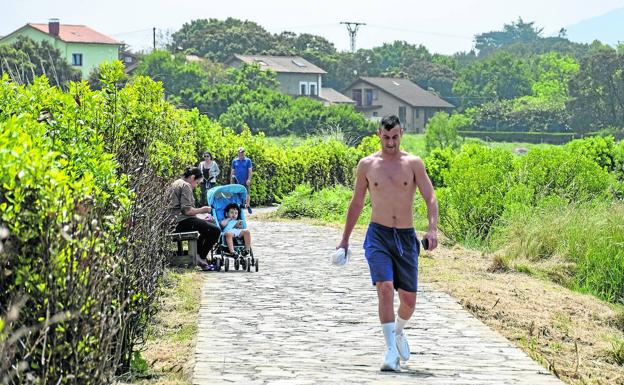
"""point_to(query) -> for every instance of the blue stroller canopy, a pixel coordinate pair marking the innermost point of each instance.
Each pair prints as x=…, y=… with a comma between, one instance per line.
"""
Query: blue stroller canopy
x=220, y=196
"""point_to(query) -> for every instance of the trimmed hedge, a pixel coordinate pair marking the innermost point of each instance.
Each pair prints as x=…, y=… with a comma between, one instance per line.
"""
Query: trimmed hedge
x=526, y=137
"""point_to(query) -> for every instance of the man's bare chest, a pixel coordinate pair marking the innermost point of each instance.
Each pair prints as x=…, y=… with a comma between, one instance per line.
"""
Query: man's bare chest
x=384, y=177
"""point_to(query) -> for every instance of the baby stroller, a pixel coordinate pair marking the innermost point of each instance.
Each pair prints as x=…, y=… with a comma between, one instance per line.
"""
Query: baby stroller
x=218, y=198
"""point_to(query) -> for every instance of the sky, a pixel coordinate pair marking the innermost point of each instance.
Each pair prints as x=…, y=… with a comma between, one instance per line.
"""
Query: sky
x=443, y=26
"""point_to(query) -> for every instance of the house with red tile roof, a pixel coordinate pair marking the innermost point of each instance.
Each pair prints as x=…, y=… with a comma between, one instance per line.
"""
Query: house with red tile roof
x=83, y=47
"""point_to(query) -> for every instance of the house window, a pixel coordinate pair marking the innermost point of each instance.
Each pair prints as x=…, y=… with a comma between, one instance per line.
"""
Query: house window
x=357, y=96
x=128, y=59
x=303, y=88
x=77, y=59
x=374, y=113
x=313, y=89
x=368, y=97
x=417, y=112
x=375, y=95
x=402, y=115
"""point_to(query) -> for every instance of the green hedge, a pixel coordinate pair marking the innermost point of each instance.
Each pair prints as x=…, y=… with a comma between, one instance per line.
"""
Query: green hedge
x=526, y=137
x=83, y=215
x=81, y=199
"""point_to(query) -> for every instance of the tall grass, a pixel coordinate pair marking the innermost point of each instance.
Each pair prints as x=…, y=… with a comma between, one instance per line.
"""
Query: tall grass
x=578, y=245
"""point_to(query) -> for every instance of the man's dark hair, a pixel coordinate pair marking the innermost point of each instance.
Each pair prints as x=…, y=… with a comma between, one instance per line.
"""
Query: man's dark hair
x=192, y=170
x=390, y=121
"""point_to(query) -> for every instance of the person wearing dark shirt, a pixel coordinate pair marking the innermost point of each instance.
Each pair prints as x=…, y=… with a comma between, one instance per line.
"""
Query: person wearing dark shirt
x=182, y=208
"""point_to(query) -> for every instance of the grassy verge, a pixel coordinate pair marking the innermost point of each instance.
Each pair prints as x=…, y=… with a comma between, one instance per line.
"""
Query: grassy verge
x=579, y=246
x=169, y=350
x=576, y=336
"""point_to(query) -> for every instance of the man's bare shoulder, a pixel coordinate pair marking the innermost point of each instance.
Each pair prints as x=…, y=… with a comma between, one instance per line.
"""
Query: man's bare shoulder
x=411, y=158
x=368, y=160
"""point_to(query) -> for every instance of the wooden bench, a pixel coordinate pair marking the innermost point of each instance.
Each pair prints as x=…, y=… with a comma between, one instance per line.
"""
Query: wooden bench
x=181, y=258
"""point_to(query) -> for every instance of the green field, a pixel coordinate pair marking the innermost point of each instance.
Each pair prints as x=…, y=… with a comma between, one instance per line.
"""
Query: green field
x=412, y=143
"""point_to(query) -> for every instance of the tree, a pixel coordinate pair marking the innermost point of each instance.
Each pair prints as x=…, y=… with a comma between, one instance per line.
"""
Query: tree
x=218, y=40
x=554, y=72
x=597, y=92
x=181, y=80
x=26, y=59
x=500, y=76
x=516, y=32
x=289, y=43
x=400, y=54
x=430, y=75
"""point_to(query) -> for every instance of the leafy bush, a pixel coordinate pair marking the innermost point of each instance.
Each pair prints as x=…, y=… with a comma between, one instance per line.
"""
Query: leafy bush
x=559, y=172
x=477, y=182
x=600, y=150
x=518, y=115
x=329, y=204
x=438, y=163
x=442, y=129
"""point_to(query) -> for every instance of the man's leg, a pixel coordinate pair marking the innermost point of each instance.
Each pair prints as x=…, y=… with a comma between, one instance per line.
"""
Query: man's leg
x=406, y=309
x=248, y=200
x=407, y=304
x=385, y=295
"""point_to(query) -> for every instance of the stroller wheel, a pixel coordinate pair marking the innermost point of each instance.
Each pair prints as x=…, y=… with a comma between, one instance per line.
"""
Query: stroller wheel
x=217, y=264
x=227, y=264
x=236, y=264
x=256, y=265
x=243, y=263
x=248, y=264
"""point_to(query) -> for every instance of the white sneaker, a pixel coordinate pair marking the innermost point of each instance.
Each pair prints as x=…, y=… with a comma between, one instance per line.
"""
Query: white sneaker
x=391, y=361
x=402, y=346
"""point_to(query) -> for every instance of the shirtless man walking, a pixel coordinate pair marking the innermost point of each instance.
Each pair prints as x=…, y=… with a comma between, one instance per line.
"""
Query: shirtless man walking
x=391, y=248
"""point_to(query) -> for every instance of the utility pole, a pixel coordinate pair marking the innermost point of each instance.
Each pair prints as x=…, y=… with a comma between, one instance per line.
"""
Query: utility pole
x=352, y=27
x=154, y=37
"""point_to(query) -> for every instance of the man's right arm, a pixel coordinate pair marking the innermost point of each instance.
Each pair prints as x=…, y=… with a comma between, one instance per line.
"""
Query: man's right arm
x=357, y=202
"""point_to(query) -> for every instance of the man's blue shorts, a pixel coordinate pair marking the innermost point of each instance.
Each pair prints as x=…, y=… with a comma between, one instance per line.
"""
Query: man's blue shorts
x=392, y=255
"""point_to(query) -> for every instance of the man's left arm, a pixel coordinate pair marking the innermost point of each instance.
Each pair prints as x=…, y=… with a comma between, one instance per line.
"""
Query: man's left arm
x=426, y=190
x=249, y=173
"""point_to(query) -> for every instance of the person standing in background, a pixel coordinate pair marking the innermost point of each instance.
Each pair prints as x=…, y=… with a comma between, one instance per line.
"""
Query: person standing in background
x=210, y=170
x=241, y=173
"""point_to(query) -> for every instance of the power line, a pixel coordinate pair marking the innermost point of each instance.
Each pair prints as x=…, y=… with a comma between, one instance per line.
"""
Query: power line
x=131, y=32
x=352, y=27
x=422, y=32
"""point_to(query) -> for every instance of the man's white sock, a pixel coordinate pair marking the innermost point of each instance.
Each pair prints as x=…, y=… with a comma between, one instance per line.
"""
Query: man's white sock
x=400, y=324
x=388, y=331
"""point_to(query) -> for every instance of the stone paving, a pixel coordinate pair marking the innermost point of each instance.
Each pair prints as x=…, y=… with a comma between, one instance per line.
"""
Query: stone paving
x=301, y=320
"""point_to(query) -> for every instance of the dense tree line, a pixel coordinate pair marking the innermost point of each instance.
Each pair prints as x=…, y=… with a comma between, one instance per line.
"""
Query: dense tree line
x=515, y=80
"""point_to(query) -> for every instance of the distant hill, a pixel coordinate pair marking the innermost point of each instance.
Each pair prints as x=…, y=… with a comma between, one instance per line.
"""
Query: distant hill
x=608, y=28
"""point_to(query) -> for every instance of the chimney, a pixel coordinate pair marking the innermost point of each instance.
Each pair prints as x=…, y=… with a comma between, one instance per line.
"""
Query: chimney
x=53, y=27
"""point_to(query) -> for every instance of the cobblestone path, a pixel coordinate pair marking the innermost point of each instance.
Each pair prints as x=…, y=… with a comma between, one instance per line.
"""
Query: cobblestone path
x=301, y=320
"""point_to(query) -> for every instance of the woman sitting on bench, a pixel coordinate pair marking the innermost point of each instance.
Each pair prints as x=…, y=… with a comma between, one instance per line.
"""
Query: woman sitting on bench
x=182, y=206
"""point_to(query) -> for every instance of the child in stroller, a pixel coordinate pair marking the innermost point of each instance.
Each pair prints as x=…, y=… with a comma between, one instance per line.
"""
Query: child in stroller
x=233, y=228
x=235, y=239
